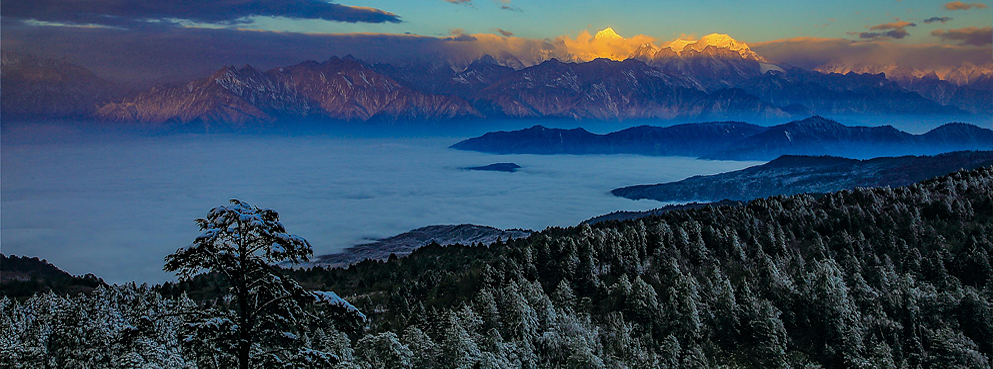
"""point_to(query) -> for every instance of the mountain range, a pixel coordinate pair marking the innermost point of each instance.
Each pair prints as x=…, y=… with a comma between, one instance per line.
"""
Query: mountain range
x=790, y=175
x=737, y=140
x=716, y=77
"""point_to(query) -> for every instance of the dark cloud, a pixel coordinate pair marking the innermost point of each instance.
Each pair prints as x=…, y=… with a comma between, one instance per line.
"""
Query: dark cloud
x=974, y=36
x=124, y=13
x=504, y=32
x=505, y=5
x=895, y=34
x=958, y=5
x=937, y=19
x=177, y=53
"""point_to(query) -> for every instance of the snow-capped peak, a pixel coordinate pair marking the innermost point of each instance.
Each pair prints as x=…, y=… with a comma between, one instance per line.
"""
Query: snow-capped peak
x=719, y=40
x=678, y=45
x=606, y=34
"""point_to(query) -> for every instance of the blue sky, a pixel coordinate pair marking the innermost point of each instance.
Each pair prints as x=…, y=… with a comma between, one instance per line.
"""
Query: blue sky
x=750, y=21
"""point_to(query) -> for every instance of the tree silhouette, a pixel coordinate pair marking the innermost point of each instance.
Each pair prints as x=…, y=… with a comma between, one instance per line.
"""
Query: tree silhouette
x=259, y=321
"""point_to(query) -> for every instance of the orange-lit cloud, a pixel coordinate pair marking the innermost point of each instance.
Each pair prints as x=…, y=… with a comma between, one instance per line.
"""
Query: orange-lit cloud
x=605, y=44
x=966, y=36
x=892, y=25
x=895, y=30
x=958, y=5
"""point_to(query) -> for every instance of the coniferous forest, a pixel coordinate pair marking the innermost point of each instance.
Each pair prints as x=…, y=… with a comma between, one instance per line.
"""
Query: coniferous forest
x=867, y=278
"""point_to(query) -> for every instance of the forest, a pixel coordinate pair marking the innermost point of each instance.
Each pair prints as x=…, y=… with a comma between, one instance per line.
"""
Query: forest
x=863, y=278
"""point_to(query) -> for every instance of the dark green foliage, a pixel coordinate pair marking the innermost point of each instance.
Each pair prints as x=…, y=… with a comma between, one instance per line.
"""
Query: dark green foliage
x=22, y=277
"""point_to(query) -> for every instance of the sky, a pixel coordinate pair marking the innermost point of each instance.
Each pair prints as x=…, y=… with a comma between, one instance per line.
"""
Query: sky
x=157, y=39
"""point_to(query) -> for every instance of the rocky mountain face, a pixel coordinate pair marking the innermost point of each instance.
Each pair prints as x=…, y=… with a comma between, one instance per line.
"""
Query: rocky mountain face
x=737, y=141
x=339, y=89
x=606, y=89
x=405, y=243
x=968, y=87
x=36, y=88
x=789, y=175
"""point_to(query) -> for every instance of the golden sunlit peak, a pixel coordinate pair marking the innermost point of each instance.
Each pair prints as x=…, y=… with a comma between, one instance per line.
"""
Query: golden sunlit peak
x=606, y=34
x=719, y=40
x=678, y=45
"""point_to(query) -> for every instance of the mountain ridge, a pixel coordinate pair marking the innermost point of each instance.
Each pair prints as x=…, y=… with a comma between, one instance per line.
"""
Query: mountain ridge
x=712, y=83
x=736, y=140
x=795, y=174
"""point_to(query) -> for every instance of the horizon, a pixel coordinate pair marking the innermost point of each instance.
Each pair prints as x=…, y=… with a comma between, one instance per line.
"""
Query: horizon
x=143, y=44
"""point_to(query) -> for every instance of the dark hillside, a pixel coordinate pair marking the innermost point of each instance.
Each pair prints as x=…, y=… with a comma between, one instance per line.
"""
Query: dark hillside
x=864, y=278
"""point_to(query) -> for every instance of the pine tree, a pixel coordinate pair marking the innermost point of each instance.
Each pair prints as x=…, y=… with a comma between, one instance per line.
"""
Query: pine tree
x=259, y=321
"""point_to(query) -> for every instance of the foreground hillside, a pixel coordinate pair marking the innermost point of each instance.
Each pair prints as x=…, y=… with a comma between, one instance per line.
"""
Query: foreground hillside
x=870, y=278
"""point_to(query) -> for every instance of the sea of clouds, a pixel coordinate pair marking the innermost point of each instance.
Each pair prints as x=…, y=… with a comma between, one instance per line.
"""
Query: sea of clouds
x=115, y=206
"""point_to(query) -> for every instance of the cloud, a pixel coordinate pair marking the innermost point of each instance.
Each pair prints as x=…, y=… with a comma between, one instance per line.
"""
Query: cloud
x=459, y=34
x=587, y=47
x=958, y=5
x=937, y=19
x=974, y=36
x=897, y=34
x=123, y=13
x=88, y=207
x=892, y=25
x=505, y=5
x=894, y=30
x=504, y=32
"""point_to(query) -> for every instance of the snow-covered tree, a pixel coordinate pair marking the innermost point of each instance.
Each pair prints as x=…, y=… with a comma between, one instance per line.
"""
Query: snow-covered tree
x=261, y=320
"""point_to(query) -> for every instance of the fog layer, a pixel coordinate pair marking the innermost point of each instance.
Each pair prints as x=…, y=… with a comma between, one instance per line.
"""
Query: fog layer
x=117, y=207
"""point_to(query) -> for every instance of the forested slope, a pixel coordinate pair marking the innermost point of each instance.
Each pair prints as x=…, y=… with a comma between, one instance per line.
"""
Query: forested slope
x=865, y=278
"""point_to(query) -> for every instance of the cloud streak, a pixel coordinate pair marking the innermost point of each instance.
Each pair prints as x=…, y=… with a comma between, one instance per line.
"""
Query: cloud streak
x=136, y=13
x=896, y=34
x=892, y=25
x=505, y=5
x=974, y=36
x=895, y=30
x=958, y=5
x=943, y=20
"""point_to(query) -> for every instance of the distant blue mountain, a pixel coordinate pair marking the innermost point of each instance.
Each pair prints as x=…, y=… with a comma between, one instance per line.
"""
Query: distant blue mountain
x=738, y=141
